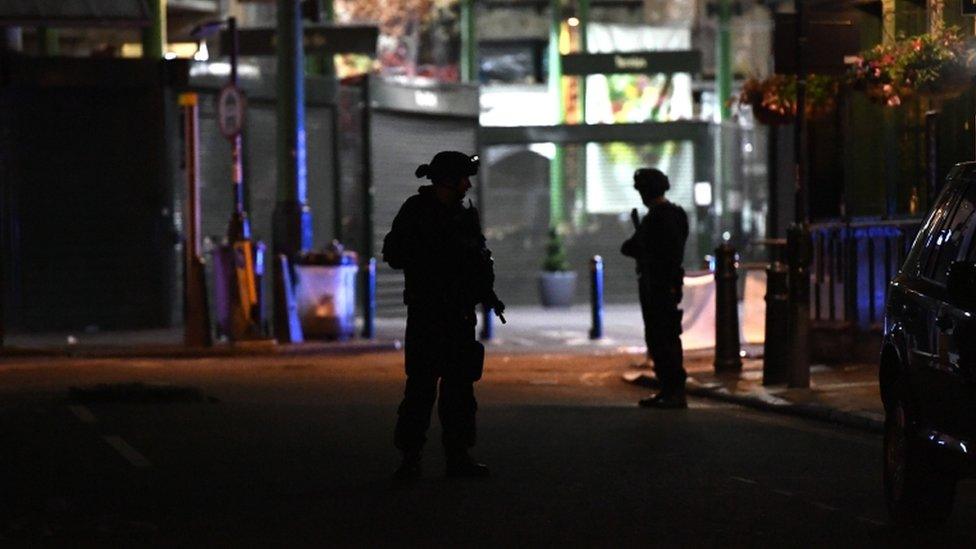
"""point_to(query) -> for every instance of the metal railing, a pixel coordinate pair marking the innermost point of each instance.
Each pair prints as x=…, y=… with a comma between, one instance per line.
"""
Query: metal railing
x=852, y=264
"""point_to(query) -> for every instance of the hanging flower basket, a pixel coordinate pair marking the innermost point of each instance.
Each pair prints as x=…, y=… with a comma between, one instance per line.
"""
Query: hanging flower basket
x=773, y=100
x=939, y=64
x=936, y=65
x=876, y=73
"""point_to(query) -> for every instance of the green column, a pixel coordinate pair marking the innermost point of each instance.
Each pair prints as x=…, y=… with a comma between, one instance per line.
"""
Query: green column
x=154, y=36
x=47, y=41
x=469, y=42
x=584, y=19
x=556, y=179
x=723, y=59
x=292, y=217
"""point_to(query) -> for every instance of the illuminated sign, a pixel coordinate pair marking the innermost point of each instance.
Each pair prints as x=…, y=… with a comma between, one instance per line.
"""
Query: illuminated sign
x=645, y=62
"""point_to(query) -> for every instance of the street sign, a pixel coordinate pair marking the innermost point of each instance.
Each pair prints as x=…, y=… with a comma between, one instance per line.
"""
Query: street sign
x=969, y=7
x=230, y=110
x=643, y=62
x=317, y=39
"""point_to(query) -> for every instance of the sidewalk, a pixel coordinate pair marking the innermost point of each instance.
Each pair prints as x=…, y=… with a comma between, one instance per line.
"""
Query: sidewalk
x=845, y=394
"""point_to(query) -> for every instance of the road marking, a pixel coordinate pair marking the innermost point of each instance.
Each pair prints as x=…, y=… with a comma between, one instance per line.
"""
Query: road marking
x=83, y=413
x=745, y=480
x=871, y=521
x=824, y=506
x=781, y=492
x=128, y=452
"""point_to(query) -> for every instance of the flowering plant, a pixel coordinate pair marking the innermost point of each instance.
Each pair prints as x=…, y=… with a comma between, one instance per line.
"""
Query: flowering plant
x=773, y=100
x=878, y=74
x=939, y=64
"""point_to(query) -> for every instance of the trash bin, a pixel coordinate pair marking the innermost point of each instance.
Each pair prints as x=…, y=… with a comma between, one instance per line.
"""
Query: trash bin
x=325, y=291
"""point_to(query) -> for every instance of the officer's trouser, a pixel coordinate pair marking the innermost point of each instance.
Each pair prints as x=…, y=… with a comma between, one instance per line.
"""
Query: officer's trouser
x=662, y=334
x=429, y=338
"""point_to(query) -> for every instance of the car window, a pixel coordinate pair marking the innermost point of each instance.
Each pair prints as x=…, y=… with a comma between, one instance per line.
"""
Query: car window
x=926, y=244
x=953, y=237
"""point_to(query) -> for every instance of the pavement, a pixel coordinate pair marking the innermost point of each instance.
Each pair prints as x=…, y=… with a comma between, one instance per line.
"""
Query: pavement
x=846, y=393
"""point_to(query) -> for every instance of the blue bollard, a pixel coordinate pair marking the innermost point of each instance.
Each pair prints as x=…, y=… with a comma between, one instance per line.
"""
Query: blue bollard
x=596, y=296
x=487, y=324
x=369, y=305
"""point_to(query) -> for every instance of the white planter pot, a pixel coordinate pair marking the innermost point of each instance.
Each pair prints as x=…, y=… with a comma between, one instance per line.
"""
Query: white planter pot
x=557, y=289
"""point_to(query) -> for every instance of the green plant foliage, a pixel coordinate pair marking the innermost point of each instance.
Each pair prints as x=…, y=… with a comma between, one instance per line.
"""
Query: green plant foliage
x=936, y=64
x=555, y=254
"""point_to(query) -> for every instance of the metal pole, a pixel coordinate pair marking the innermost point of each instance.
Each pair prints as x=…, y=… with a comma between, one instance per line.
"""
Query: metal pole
x=369, y=303
x=584, y=19
x=369, y=309
x=727, y=358
x=239, y=228
x=596, y=297
x=723, y=69
x=798, y=237
x=556, y=91
x=775, y=346
x=196, y=317
x=367, y=167
x=932, y=154
x=799, y=246
x=154, y=36
x=292, y=216
x=469, y=42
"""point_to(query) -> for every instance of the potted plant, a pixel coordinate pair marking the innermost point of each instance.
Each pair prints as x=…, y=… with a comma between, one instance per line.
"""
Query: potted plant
x=557, y=284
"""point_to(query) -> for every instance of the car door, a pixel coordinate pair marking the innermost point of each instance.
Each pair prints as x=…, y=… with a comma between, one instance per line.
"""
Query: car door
x=919, y=307
x=946, y=321
x=956, y=341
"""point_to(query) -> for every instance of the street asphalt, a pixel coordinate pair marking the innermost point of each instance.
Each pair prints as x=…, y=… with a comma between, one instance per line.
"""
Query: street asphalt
x=297, y=451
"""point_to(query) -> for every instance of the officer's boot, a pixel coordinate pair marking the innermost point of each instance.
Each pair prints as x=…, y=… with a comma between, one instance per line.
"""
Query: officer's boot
x=410, y=469
x=461, y=464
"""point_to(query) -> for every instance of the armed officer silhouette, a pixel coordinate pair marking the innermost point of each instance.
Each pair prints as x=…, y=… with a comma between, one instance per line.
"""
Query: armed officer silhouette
x=448, y=271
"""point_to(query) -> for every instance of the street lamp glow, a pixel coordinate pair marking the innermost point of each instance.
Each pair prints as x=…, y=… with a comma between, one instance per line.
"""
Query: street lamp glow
x=573, y=21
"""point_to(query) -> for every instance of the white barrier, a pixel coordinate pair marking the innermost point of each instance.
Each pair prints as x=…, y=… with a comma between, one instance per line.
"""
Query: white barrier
x=698, y=302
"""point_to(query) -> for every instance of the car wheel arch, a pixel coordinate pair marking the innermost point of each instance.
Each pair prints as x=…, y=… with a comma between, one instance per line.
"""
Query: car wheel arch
x=891, y=373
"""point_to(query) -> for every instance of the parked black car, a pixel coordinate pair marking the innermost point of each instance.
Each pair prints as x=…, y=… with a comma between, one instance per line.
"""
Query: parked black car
x=928, y=360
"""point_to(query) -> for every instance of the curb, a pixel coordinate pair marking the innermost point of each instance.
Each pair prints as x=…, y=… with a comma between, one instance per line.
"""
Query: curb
x=817, y=412
x=826, y=414
x=341, y=348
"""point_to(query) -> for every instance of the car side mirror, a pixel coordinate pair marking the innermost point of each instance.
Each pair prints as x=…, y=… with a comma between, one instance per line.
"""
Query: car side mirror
x=961, y=282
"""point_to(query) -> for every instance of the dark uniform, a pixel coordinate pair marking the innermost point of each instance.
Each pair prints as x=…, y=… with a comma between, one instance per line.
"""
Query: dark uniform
x=658, y=245
x=447, y=271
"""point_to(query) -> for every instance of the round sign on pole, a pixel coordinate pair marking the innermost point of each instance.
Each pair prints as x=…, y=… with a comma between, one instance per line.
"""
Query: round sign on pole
x=230, y=110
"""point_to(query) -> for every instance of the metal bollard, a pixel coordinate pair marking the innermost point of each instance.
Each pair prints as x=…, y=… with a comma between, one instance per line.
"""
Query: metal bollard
x=369, y=303
x=596, y=297
x=799, y=249
x=727, y=358
x=487, y=324
x=287, y=327
x=775, y=348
